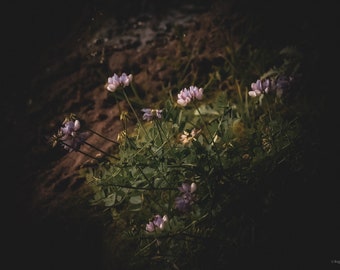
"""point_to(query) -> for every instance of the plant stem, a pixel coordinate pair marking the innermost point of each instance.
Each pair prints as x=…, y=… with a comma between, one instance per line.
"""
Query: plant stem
x=133, y=110
x=78, y=150
x=103, y=136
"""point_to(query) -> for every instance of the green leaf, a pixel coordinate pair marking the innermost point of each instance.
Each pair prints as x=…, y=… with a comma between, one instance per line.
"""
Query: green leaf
x=135, y=199
x=110, y=200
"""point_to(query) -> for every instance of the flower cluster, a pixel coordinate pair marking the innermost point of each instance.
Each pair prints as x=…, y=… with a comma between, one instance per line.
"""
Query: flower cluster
x=186, y=95
x=183, y=203
x=69, y=135
x=115, y=81
x=150, y=114
x=280, y=85
x=259, y=88
x=187, y=137
x=156, y=223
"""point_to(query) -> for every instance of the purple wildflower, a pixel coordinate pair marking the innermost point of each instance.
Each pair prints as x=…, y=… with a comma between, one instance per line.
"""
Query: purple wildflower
x=260, y=87
x=150, y=114
x=280, y=85
x=188, y=188
x=156, y=222
x=186, y=95
x=70, y=137
x=115, y=81
x=196, y=93
x=150, y=227
x=125, y=79
x=183, y=203
x=74, y=142
x=70, y=128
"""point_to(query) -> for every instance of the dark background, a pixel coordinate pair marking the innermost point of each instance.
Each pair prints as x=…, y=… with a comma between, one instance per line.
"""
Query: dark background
x=31, y=27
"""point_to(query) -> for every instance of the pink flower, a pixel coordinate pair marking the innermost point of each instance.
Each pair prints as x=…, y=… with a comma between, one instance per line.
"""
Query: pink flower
x=186, y=95
x=156, y=222
x=115, y=81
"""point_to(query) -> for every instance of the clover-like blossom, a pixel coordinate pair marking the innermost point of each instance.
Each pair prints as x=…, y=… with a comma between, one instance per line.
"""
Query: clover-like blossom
x=279, y=85
x=187, y=137
x=115, y=81
x=125, y=79
x=188, y=188
x=183, y=203
x=70, y=128
x=156, y=223
x=260, y=87
x=150, y=114
x=186, y=95
x=70, y=137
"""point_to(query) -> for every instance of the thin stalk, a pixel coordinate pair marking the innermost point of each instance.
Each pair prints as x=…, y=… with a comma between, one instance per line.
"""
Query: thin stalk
x=137, y=188
x=98, y=134
x=204, y=123
x=211, y=136
x=78, y=150
x=159, y=130
x=163, y=131
x=133, y=110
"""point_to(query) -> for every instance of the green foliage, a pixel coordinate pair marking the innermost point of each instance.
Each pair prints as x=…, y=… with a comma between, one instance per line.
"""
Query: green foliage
x=236, y=150
x=240, y=146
